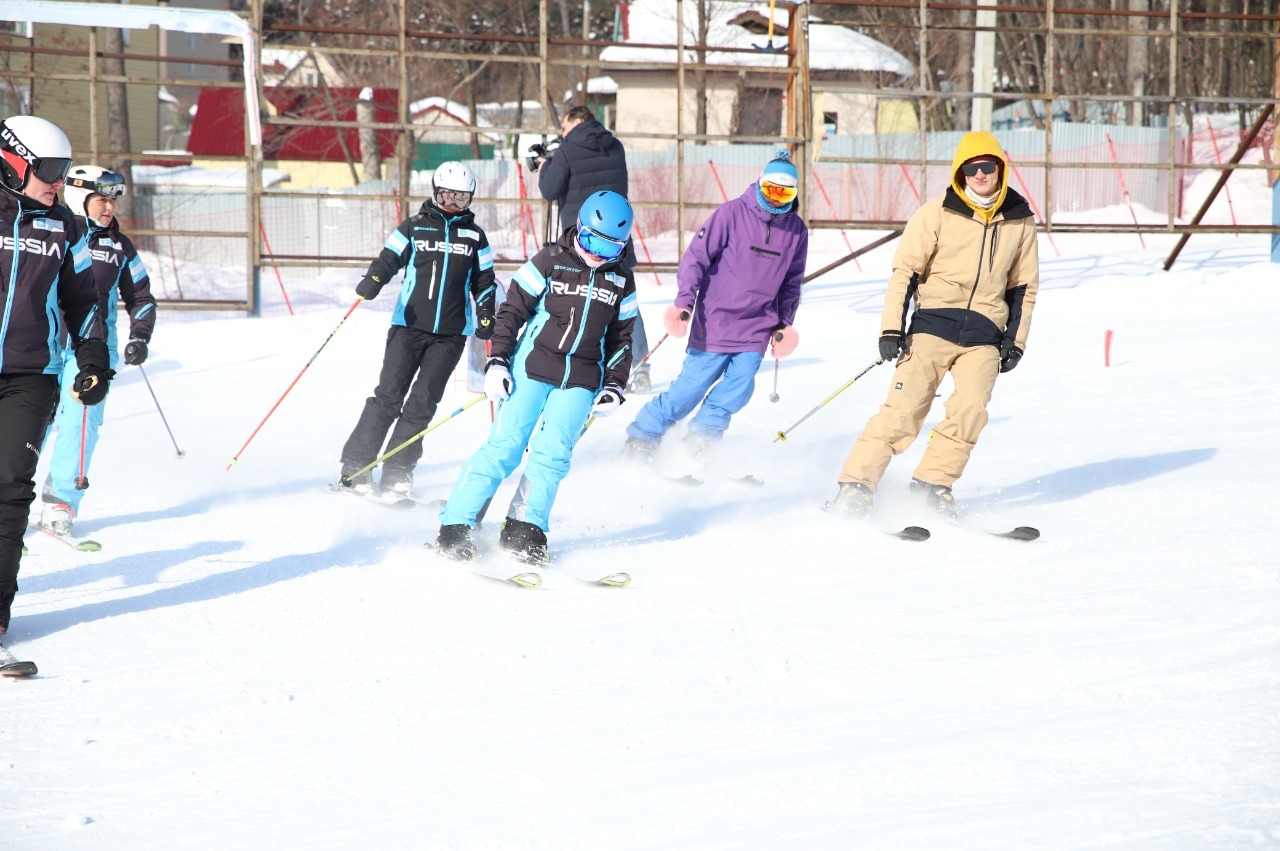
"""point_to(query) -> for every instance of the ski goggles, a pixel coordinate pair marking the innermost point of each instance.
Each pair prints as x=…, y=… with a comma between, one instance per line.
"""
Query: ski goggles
x=598, y=244
x=109, y=183
x=984, y=166
x=51, y=169
x=776, y=193
x=453, y=198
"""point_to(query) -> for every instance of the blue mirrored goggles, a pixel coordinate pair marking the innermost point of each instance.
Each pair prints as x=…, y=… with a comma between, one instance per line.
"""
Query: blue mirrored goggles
x=599, y=244
x=110, y=184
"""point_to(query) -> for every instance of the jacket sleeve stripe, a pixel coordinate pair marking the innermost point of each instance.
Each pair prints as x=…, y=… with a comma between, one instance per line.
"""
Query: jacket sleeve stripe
x=80, y=251
x=629, y=308
x=396, y=243
x=531, y=280
x=486, y=258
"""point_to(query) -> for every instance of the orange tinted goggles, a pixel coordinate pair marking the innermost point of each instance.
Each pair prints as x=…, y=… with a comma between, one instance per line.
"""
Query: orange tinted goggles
x=777, y=194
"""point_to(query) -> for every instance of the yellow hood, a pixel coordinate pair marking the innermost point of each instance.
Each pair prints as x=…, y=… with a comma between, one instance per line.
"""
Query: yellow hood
x=975, y=144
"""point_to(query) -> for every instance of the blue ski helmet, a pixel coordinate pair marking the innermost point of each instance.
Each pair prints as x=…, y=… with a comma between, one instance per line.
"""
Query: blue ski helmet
x=604, y=224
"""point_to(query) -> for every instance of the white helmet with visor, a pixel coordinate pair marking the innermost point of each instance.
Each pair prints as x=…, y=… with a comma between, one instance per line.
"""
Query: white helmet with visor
x=85, y=181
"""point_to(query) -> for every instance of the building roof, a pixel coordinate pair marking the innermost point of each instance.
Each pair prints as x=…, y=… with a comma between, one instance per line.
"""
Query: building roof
x=831, y=47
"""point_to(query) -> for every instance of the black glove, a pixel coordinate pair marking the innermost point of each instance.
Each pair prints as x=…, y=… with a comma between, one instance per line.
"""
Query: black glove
x=890, y=346
x=90, y=386
x=136, y=352
x=484, y=326
x=1009, y=356
x=369, y=287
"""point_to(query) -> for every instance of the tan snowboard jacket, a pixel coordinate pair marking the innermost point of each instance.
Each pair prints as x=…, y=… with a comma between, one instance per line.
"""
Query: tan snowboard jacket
x=973, y=273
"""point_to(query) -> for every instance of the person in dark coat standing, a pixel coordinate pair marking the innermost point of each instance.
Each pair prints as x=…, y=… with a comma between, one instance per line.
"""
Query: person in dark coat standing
x=591, y=160
x=47, y=291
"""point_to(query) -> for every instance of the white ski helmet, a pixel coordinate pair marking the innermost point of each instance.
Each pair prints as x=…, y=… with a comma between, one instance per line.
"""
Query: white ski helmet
x=453, y=177
x=30, y=145
x=85, y=181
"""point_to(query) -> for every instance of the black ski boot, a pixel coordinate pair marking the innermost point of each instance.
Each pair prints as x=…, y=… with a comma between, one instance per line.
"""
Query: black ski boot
x=361, y=484
x=397, y=482
x=639, y=383
x=937, y=497
x=455, y=542
x=524, y=541
x=853, y=498
x=639, y=452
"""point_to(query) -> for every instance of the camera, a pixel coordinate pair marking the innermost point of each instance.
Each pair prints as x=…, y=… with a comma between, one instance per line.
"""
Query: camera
x=542, y=151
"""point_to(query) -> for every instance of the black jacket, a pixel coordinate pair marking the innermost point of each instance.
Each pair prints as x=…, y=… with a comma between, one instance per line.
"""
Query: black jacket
x=41, y=247
x=121, y=276
x=445, y=258
x=579, y=319
x=589, y=160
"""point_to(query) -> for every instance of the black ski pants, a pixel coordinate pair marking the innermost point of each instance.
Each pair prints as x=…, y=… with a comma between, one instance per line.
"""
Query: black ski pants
x=27, y=403
x=410, y=352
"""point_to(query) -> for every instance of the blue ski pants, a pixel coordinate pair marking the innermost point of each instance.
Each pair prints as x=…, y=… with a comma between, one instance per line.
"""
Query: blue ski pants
x=70, y=421
x=730, y=378
x=563, y=413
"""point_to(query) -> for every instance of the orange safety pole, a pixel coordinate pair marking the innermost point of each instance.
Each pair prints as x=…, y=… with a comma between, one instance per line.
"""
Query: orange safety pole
x=262, y=229
x=716, y=175
x=832, y=207
x=910, y=182
x=525, y=211
x=1125, y=190
x=647, y=256
x=1026, y=193
x=1213, y=138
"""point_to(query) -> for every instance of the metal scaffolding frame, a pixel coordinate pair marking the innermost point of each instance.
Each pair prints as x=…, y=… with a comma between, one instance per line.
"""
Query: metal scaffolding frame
x=404, y=46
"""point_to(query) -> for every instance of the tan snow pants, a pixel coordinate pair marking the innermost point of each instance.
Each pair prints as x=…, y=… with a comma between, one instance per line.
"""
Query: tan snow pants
x=915, y=381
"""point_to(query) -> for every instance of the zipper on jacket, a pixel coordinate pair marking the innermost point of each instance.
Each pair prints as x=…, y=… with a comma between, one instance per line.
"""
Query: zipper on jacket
x=582, y=328
x=981, y=251
x=758, y=250
x=444, y=271
x=13, y=282
x=568, y=326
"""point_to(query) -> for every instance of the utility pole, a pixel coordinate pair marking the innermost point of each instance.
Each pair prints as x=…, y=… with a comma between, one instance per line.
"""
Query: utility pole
x=984, y=65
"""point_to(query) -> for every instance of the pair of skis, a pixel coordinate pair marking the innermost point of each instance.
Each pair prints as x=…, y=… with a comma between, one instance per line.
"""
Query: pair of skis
x=83, y=545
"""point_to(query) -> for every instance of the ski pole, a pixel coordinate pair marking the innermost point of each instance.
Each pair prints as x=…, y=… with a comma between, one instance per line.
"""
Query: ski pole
x=782, y=435
x=345, y=481
x=236, y=458
x=773, y=397
x=81, y=482
x=160, y=410
x=591, y=419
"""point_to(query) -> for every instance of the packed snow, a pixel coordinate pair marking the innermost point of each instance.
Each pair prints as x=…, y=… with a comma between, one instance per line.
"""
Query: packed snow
x=251, y=662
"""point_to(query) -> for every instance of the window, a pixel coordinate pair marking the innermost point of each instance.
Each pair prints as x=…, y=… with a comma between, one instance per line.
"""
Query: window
x=830, y=123
x=760, y=112
x=22, y=29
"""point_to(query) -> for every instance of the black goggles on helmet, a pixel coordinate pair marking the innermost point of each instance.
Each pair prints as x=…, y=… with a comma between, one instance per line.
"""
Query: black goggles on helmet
x=109, y=183
x=51, y=169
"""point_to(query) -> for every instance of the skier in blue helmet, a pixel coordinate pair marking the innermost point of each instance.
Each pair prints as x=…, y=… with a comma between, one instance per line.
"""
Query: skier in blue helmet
x=576, y=305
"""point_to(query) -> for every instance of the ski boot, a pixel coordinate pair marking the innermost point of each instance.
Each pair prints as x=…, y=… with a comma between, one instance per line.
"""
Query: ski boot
x=362, y=484
x=638, y=451
x=397, y=482
x=454, y=541
x=697, y=445
x=57, y=517
x=937, y=497
x=640, y=383
x=524, y=541
x=853, y=498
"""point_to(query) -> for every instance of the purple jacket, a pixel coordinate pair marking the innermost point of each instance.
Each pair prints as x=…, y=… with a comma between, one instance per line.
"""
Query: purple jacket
x=743, y=270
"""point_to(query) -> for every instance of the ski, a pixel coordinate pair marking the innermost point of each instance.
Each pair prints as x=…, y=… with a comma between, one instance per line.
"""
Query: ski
x=523, y=579
x=695, y=481
x=401, y=503
x=1018, y=533
x=613, y=580
x=11, y=666
x=83, y=545
x=906, y=533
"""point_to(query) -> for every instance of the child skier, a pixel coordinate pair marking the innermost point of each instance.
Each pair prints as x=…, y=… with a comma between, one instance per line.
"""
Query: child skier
x=90, y=193
x=742, y=273
x=448, y=264
x=577, y=305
